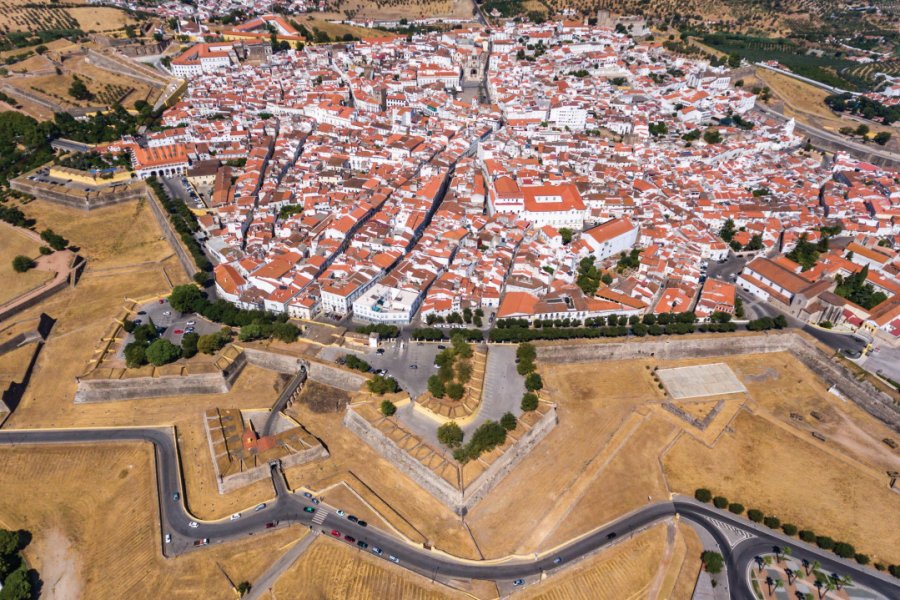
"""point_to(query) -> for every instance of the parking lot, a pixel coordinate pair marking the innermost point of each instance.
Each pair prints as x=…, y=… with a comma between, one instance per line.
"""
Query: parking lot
x=396, y=359
x=175, y=324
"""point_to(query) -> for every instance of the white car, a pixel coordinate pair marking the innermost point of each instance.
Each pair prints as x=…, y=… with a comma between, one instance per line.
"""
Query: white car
x=193, y=525
x=167, y=313
x=191, y=323
x=341, y=513
x=168, y=538
x=235, y=516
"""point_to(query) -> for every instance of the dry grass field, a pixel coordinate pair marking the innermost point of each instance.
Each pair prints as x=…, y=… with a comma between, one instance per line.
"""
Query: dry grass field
x=12, y=244
x=335, y=570
x=17, y=15
x=361, y=10
x=94, y=516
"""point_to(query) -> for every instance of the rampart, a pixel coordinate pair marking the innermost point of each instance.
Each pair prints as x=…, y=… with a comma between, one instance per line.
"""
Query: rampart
x=875, y=401
x=335, y=376
x=459, y=499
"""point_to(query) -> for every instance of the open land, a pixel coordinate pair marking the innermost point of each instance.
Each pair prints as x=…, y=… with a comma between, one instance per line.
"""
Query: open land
x=21, y=16
x=360, y=10
x=94, y=536
x=12, y=244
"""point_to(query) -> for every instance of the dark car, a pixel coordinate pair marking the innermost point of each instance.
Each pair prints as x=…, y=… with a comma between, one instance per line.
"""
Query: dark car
x=362, y=544
x=309, y=509
x=176, y=496
x=271, y=524
x=362, y=524
x=610, y=536
x=142, y=312
x=519, y=582
x=442, y=347
x=352, y=519
x=350, y=538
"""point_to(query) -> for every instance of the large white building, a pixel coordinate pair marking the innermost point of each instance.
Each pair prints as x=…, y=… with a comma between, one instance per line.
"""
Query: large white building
x=383, y=304
x=611, y=238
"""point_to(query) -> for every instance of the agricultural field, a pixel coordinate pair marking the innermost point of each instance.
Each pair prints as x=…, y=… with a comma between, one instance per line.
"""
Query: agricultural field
x=31, y=17
x=385, y=10
x=865, y=75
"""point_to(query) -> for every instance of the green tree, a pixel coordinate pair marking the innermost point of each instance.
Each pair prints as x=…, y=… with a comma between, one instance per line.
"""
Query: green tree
x=882, y=137
x=455, y=390
x=383, y=385
x=712, y=136
x=728, y=230
x=189, y=344
x=508, y=421
x=436, y=386
x=9, y=542
x=285, y=332
x=135, y=355
x=243, y=588
x=22, y=264
x=450, y=434
x=54, y=240
x=463, y=371
x=720, y=501
x=567, y=233
x=79, y=91
x=185, y=298
x=529, y=401
x=17, y=585
x=703, y=495
x=533, y=382
x=388, y=408
x=712, y=562
x=162, y=352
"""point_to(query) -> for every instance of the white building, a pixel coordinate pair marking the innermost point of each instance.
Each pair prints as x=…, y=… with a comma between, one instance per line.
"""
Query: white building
x=383, y=304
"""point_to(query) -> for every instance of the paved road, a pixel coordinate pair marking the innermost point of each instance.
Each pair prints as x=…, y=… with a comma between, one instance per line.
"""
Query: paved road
x=288, y=508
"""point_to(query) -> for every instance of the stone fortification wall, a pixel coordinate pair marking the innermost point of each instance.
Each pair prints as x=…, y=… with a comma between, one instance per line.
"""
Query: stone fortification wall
x=272, y=361
x=460, y=501
x=335, y=376
x=105, y=390
x=878, y=403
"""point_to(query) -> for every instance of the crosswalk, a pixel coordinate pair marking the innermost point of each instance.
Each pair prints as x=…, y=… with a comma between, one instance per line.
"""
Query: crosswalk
x=320, y=516
x=734, y=535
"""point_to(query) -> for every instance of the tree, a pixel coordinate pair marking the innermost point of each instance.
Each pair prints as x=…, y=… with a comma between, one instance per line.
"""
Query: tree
x=383, y=385
x=79, y=91
x=703, y=494
x=243, y=588
x=455, y=390
x=162, y=352
x=189, y=344
x=22, y=264
x=736, y=507
x=566, y=234
x=450, y=434
x=17, y=585
x=824, y=542
x=882, y=137
x=789, y=529
x=712, y=562
x=533, y=382
x=463, y=371
x=508, y=421
x=388, y=408
x=728, y=230
x=712, y=136
x=772, y=522
x=436, y=386
x=135, y=355
x=9, y=542
x=529, y=402
x=720, y=502
x=285, y=332
x=54, y=240
x=185, y=298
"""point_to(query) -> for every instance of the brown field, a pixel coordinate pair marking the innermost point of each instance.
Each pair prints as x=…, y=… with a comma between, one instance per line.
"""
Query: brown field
x=96, y=530
x=15, y=16
x=333, y=570
x=12, y=244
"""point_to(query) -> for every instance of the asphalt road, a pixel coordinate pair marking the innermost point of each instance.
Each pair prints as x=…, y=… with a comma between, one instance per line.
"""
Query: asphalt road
x=288, y=508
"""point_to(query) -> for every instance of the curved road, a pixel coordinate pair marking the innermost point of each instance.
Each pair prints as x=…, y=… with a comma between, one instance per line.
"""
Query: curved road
x=288, y=508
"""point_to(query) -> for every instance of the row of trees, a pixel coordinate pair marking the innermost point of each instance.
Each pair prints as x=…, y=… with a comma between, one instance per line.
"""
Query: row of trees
x=766, y=323
x=454, y=370
x=384, y=331
x=468, y=317
x=842, y=549
x=185, y=223
x=639, y=329
x=525, y=357
x=434, y=334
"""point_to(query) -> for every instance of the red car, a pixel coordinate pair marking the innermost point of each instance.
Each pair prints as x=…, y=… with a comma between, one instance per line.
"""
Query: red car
x=336, y=533
x=350, y=538
x=178, y=332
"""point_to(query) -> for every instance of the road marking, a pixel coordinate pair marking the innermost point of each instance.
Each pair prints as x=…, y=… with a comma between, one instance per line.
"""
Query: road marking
x=734, y=535
x=320, y=516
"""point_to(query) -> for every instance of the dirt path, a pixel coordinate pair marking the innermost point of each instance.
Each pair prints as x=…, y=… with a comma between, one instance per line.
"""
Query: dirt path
x=671, y=531
x=51, y=553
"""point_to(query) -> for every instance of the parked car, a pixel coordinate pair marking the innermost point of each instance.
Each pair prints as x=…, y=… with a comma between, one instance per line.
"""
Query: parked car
x=271, y=524
x=352, y=519
x=362, y=544
x=142, y=312
x=393, y=559
x=309, y=509
x=341, y=513
x=259, y=507
x=307, y=494
x=176, y=496
x=362, y=524
x=168, y=538
x=350, y=538
x=335, y=533
x=376, y=550
x=442, y=347
x=178, y=331
x=193, y=525
x=379, y=351
x=191, y=323
x=202, y=542
x=557, y=560
x=519, y=582
x=235, y=516
x=413, y=366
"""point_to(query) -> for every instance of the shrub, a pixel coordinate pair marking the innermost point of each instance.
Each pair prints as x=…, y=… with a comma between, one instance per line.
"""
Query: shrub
x=21, y=264
x=450, y=435
x=703, y=494
x=356, y=363
x=720, y=502
x=388, y=408
x=508, y=421
x=772, y=522
x=807, y=536
x=436, y=386
x=755, y=515
x=789, y=529
x=712, y=561
x=736, y=507
x=881, y=566
x=862, y=559
x=382, y=385
x=529, y=402
x=843, y=549
x=824, y=542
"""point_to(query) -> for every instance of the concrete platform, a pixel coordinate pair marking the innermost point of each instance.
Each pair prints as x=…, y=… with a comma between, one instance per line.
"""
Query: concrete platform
x=700, y=380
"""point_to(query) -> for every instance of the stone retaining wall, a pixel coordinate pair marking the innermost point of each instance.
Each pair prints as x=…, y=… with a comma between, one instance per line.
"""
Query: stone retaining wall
x=105, y=390
x=272, y=361
x=335, y=376
x=460, y=501
x=876, y=402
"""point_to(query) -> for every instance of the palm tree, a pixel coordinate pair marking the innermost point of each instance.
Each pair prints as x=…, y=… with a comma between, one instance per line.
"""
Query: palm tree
x=846, y=580
x=805, y=565
x=787, y=551
x=769, y=584
x=759, y=562
x=778, y=584
x=818, y=585
x=816, y=565
x=790, y=573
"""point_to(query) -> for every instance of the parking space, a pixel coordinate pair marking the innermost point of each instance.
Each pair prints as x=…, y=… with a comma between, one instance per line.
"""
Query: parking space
x=410, y=363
